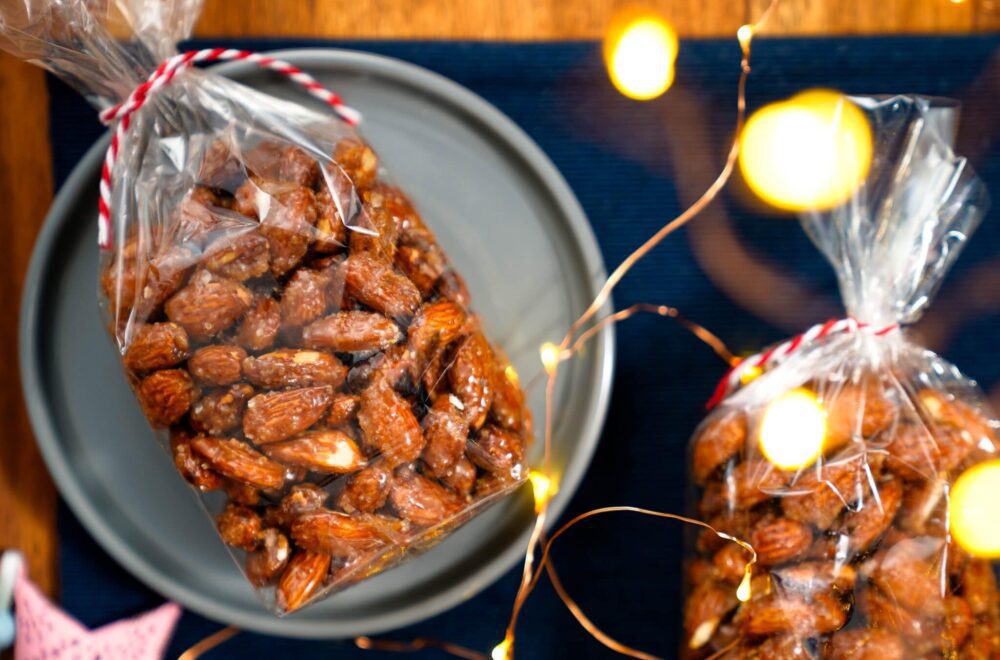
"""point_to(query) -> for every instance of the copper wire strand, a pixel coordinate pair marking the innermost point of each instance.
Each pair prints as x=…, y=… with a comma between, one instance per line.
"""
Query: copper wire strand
x=697, y=330
x=702, y=333
x=546, y=563
x=209, y=643
x=589, y=625
x=721, y=652
x=527, y=576
x=418, y=644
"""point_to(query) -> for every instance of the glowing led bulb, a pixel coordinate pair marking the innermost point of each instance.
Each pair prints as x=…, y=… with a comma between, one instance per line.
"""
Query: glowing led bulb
x=743, y=592
x=973, y=511
x=511, y=375
x=810, y=152
x=639, y=52
x=502, y=650
x=744, y=35
x=793, y=430
x=750, y=374
x=543, y=488
x=549, y=353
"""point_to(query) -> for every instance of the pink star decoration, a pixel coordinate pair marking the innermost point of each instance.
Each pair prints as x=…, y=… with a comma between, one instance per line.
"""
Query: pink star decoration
x=45, y=632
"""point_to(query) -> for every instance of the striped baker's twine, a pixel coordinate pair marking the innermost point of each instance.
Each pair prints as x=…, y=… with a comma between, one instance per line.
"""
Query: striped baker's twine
x=774, y=355
x=161, y=77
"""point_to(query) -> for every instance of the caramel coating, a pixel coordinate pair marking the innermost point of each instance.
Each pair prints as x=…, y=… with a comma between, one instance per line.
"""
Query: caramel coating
x=298, y=329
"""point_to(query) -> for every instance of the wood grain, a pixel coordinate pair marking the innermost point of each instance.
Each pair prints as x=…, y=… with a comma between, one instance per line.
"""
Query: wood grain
x=27, y=498
x=586, y=19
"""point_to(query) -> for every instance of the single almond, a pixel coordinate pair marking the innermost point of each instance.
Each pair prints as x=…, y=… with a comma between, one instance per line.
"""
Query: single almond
x=344, y=536
x=239, y=526
x=704, y=610
x=237, y=460
x=166, y=396
x=259, y=327
x=220, y=411
x=238, y=256
x=352, y=331
x=157, y=346
x=420, y=500
x=218, y=364
x=777, y=613
x=435, y=324
x=302, y=577
x=379, y=286
x=277, y=416
x=719, y=439
x=389, y=426
x=304, y=297
x=332, y=452
x=263, y=565
x=208, y=305
x=446, y=432
x=292, y=367
x=367, y=489
x=471, y=378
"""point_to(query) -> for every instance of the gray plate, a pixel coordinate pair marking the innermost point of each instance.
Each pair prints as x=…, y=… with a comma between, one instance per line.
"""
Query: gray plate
x=513, y=228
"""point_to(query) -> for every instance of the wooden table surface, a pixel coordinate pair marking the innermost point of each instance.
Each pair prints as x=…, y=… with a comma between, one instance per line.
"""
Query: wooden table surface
x=27, y=495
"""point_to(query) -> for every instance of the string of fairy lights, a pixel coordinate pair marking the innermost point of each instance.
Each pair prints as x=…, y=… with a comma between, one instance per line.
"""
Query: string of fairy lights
x=650, y=33
x=810, y=151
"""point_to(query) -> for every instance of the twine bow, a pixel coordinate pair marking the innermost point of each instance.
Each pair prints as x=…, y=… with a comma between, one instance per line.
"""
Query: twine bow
x=161, y=77
x=777, y=353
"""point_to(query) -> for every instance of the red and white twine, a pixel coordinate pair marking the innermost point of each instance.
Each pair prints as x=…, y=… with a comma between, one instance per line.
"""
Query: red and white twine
x=777, y=353
x=162, y=77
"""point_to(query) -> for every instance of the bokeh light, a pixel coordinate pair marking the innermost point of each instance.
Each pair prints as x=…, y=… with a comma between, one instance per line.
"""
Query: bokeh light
x=744, y=35
x=511, y=374
x=793, y=430
x=501, y=651
x=810, y=152
x=549, y=354
x=639, y=52
x=543, y=488
x=744, y=591
x=750, y=374
x=973, y=510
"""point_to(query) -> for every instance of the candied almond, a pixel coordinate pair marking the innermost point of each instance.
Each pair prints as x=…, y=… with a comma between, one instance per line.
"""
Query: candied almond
x=208, y=305
x=239, y=526
x=329, y=451
x=420, y=500
x=275, y=416
x=157, y=346
x=303, y=575
x=263, y=565
x=470, y=378
x=218, y=364
x=719, y=439
x=352, y=331
x=292, y=367
x=237, y=460
x=166, y=396
x=389, y=426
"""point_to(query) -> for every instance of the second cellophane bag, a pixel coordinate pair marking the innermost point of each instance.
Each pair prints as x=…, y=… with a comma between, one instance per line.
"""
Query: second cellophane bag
x=836, y=462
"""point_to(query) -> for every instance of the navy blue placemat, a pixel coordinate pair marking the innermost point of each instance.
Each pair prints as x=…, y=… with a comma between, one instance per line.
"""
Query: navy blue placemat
x=633, y=166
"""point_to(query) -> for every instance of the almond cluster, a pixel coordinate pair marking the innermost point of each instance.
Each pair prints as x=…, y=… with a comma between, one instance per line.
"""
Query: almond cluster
x=855, y=556
x=300, y=332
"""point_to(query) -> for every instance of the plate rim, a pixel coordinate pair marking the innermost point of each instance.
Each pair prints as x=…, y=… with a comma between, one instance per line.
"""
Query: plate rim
x=145, y=571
